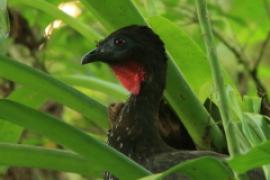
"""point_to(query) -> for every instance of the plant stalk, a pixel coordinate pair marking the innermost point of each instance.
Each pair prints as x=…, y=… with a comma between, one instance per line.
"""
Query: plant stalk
x=217, y=75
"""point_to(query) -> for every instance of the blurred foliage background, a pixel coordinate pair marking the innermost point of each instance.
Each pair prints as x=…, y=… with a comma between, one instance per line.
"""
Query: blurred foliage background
x=41, y=41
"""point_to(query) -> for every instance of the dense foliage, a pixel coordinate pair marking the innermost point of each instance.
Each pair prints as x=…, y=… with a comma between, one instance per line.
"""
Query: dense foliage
x=40, y=74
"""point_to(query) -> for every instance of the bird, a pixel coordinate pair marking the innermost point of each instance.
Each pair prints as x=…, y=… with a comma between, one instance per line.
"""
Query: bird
x=137, y=57
x=170, y=127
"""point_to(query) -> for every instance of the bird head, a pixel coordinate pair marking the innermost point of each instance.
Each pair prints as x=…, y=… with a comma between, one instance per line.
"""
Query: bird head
x=133, y=52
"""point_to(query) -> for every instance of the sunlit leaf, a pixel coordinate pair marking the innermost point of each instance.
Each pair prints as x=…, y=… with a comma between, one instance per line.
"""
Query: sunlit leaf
x=58, y=14
x=185, y=53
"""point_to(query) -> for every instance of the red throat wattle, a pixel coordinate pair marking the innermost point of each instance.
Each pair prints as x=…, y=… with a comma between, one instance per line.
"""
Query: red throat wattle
x=131, y=75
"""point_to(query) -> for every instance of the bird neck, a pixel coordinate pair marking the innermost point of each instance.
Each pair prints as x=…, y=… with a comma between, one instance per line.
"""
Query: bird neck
x=142, y=110
x=137, y=119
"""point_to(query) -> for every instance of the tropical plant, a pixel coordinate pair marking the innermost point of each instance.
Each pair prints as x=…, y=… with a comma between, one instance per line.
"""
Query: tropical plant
x=41, y=75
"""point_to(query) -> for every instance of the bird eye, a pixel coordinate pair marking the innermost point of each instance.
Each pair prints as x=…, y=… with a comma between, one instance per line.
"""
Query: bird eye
x=119, y=42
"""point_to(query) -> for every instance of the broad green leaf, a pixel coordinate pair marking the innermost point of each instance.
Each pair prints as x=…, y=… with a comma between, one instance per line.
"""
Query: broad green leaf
x=254, y=158
x=157, y=176
x=114, y=14
x=101, y=155
x=197, y=169
x=15, y=155
x=235, y=104
x=96, y=84
x=196, y=119
x=185, y=53
x=25, y=96
x=252, y=126
x=236, y=115
x=256, y=128
x=10, y=132
x=251, y=104
x=54, y=89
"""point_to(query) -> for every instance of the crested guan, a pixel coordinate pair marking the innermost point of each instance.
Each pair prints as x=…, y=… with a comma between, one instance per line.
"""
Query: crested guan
x=138, y=59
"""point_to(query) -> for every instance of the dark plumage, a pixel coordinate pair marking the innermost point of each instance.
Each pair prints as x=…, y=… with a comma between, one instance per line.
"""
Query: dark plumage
x=137, y=56
x=142, y=43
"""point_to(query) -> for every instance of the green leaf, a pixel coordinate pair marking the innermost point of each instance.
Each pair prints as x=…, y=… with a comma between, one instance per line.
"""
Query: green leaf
x=114, y=14
x=256, y=128
x=235, y=104
x=196, y=119
x=254, y=158
x=58, y=14
x=197, y=169
x=185, y=53
x=15, y=155
x=96, y=84
x=251, y=104
x=54, y=89
x=10, y=132
x=101, y=155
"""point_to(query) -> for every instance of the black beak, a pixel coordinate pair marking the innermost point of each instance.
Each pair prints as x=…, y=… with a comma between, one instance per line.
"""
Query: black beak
x=91, y=57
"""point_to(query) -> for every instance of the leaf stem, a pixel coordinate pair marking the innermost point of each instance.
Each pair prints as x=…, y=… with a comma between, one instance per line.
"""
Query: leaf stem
x=217, y=74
